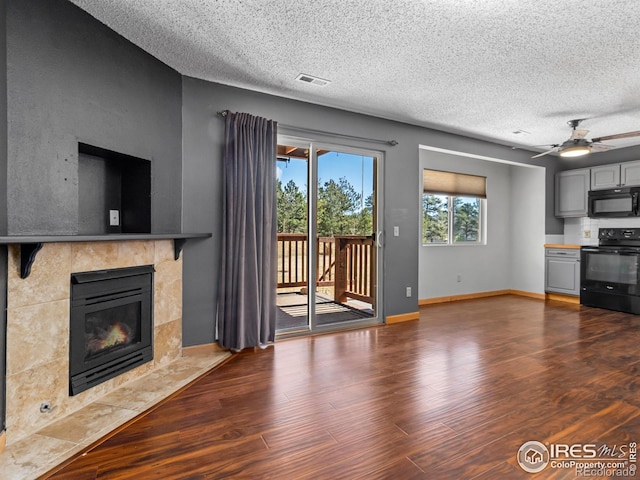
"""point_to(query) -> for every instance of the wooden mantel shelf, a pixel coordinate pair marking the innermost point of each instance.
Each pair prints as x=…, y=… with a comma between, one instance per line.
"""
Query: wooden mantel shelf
x=30, y=245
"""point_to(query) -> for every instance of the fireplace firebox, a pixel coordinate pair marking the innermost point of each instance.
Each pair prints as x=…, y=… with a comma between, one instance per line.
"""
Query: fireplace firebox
x=111, y=324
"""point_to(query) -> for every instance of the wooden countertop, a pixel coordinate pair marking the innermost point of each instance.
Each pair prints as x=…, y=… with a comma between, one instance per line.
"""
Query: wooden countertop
x=560, y=245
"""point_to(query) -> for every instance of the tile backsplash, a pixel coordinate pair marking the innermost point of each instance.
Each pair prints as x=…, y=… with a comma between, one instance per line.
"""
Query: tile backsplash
x=584, y=230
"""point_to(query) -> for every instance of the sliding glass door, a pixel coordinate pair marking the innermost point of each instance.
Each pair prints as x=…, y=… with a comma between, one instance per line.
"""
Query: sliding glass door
x=328, y=243
x=293, y=235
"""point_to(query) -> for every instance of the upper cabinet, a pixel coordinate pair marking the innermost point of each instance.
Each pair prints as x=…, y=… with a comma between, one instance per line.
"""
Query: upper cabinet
x=630, y=174
x=572, y=189
x=572, y=186
x=606, y=176
x=615, y=175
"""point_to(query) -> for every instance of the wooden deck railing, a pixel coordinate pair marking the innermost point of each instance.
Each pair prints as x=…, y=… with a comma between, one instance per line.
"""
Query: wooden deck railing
x=346, y=263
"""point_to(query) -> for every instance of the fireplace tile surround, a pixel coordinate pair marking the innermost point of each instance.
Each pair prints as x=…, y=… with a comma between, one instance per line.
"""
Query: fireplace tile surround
x=38, y=325
x=38, y=350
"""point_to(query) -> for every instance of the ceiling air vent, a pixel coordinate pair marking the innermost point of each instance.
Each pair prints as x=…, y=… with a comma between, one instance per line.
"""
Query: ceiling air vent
x=320, y=82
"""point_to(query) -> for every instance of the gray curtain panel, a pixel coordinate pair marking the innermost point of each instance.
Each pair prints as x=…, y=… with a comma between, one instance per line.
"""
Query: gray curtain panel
x=247, y=303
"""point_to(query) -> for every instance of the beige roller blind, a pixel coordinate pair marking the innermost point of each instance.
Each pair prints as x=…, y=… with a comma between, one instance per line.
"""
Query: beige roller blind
x=457, y=184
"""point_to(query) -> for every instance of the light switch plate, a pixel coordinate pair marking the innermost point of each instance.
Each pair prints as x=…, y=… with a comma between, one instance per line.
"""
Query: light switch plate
x=114, y=218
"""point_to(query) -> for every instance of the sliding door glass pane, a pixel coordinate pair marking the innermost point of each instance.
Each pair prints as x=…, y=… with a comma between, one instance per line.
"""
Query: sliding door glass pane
x=292, y=207
x=345, y=249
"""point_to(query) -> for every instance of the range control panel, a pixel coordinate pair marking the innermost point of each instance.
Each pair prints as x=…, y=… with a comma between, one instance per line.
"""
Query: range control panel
x=619, y=234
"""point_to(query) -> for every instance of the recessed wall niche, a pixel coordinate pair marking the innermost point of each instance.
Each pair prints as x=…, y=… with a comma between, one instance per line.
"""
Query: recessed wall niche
x=114, y=192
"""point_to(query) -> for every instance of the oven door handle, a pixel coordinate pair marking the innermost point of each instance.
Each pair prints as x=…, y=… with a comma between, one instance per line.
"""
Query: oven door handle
x=617, y=251
x=627, y=252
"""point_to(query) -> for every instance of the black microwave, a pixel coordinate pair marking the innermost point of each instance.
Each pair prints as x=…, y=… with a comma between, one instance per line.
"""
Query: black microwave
x=614, y=202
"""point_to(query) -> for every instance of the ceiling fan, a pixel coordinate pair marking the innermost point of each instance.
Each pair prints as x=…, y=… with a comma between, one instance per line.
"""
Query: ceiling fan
x=577, y=145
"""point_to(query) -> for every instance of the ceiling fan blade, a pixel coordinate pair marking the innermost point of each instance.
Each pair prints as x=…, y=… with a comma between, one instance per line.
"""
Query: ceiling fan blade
x=600, y=147
x=578, y=134
x=618, y=135
x=545, y=153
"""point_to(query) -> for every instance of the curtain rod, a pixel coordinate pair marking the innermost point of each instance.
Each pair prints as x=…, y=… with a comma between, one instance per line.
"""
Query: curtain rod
x=393, y=143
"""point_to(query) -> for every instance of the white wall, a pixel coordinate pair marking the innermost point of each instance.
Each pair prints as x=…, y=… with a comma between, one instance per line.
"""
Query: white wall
x=527, y=236
x=513, y=257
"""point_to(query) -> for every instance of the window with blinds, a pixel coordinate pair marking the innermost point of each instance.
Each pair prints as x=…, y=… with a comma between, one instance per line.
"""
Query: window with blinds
x=452, y=206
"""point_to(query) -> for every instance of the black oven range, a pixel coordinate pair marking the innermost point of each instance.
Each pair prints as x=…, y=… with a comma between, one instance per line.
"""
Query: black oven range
x=610, y=272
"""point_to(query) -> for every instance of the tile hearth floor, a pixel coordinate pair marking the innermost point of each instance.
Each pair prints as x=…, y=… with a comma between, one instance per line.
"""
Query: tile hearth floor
x=36, y=454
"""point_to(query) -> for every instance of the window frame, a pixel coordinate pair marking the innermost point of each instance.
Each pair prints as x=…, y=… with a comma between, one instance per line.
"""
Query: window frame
x=450, y=222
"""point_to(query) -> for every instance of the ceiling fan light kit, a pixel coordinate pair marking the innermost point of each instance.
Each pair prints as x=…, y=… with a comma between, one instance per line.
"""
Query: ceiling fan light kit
x=575, y=148
x=577, y=145
x=576, y=151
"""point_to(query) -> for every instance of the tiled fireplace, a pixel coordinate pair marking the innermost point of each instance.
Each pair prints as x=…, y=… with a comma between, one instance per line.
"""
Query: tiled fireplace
x=38, y=323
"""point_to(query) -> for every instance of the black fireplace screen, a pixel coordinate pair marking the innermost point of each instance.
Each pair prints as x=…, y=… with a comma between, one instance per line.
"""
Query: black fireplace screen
x=111, y=324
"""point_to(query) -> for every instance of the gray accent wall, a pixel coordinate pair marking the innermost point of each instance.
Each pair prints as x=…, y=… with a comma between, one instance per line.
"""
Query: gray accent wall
x=70, y=79
x=3, y=117
x=202, y=199
x=3, y=210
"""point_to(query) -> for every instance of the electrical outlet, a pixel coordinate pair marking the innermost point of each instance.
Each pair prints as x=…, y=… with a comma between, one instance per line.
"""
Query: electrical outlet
x=396, y=231
x=587, y=234
x=46, y=407
x=408, y=291
x=114, y=218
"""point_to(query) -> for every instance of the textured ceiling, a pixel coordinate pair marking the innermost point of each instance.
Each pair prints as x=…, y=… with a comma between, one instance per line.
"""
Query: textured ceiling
x=483, y=68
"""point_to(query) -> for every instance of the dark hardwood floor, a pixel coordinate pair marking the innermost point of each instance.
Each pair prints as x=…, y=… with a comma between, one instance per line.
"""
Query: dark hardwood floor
x=451, y=396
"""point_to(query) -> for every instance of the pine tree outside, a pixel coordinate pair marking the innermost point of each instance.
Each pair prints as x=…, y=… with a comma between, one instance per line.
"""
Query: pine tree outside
x=450, y=220
x=340, y=209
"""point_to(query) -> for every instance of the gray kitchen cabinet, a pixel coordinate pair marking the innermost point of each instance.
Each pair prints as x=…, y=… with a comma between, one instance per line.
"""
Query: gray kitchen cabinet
x=562, y=271
x=571, y=195
x=606, y=176
x=615, y=175
x=630, y=174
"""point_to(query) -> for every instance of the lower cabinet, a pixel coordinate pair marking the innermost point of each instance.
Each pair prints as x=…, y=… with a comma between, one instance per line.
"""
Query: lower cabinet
x=562, y=272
